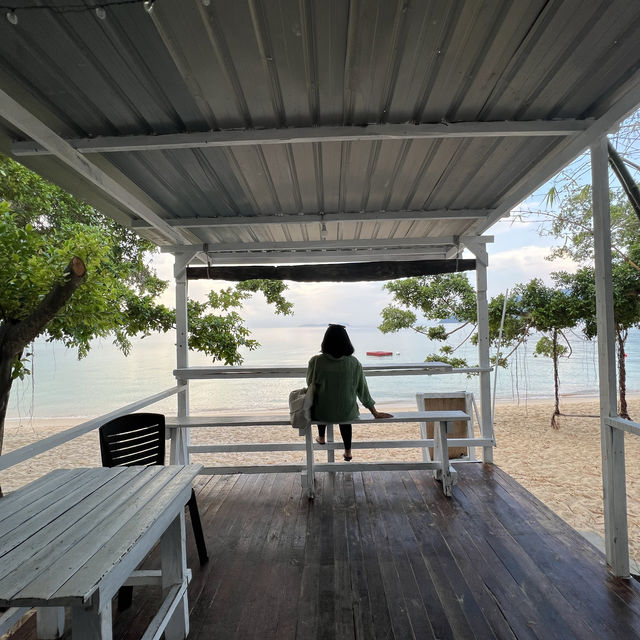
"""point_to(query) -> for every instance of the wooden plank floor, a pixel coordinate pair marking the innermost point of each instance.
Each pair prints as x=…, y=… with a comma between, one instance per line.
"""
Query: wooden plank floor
x=386, y=555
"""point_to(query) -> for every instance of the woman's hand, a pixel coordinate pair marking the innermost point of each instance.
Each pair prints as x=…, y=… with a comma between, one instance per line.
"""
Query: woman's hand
x=379, y=414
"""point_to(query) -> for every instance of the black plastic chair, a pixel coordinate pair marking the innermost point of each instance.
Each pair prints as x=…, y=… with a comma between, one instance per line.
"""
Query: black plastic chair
x=138, y=439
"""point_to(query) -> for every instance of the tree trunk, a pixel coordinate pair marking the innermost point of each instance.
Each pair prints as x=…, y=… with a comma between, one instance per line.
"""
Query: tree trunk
x=556, y=381
x=15, y=335
x=6, y=380
x=621, y=338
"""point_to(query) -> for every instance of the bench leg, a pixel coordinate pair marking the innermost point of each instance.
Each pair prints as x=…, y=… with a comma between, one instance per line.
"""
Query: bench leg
x=445, y=473
x=174, y=572
x=89, y=623
x=330, y=452
x=308, y=476
x=49, y=623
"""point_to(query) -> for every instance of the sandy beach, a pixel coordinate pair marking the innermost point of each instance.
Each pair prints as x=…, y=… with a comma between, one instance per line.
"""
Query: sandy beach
x=562, y=468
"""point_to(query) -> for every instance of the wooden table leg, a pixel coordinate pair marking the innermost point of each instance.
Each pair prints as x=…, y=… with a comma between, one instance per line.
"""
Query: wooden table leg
x=89, y=623
x=49, y=623
x=330, y=451
x=174, y=572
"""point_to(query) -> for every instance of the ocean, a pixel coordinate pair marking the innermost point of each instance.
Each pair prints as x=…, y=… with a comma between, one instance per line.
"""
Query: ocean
x=63, y=386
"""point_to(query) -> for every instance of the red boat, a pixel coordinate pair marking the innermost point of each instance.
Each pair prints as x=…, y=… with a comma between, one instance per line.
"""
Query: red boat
x=379, y=353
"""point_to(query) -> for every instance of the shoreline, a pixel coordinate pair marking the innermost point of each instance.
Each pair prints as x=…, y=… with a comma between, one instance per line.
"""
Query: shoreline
x=69, y=421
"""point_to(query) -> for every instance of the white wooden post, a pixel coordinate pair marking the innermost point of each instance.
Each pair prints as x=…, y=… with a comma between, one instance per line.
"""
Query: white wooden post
x=49, y=623
x=612, y=440
x=174, y=573
x=89, y=623
x=486, y=425
x=307, y=477
x=179, y=453
x=330, y=451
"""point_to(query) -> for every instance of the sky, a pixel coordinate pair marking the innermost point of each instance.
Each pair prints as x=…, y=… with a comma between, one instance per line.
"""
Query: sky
x=517, y=255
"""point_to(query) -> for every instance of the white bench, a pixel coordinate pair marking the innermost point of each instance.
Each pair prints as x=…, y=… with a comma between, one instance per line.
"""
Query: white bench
x=75, y=536
x=441, y=467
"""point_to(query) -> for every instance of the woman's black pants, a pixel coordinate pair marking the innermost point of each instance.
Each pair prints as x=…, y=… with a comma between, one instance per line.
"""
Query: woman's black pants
x=345, y=431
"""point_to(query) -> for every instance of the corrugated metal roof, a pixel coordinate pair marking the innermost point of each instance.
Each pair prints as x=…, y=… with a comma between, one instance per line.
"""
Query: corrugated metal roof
x=208, y=90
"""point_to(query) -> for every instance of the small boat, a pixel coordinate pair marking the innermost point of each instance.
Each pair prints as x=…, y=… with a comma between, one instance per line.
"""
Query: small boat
x=379, y=353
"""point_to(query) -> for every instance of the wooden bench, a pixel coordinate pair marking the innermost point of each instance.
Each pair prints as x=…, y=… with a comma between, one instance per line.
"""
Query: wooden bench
x=75, y=536
x=441, y=467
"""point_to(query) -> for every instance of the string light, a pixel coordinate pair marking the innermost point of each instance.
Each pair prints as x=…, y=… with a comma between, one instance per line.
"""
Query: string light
x=101, y=13
x=12, y=17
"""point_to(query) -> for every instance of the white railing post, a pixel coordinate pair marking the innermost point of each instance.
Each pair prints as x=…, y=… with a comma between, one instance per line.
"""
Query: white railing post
x=179, y=453
x=486, y=423
x=612, y=440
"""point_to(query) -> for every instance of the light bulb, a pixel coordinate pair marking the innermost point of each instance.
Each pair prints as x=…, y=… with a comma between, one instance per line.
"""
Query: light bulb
x=148, y=5
x=323, y=231
x=101, y=13
x=206, y=3
x=12, y=17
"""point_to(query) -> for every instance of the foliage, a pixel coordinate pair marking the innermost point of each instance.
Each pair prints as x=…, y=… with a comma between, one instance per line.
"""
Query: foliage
x=568, y=218
x=441, y=297
x=42, y=228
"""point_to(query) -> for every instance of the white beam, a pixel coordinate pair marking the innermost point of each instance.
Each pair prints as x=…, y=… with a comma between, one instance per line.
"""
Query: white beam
x=26, y=122
x=612, y=440
x=308, y=218
x=594, y=131
x=307, y=135
x=321, y=257
x=328, y=245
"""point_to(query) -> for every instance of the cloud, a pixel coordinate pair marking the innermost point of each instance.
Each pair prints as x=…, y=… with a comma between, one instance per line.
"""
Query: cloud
x=522, y=264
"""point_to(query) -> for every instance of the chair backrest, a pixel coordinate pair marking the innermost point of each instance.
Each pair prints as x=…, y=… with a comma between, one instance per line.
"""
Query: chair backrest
x=137, y=438
x=450, y=401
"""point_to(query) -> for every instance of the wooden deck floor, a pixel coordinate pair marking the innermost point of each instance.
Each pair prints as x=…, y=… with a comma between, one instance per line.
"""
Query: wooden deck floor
x=385, y=555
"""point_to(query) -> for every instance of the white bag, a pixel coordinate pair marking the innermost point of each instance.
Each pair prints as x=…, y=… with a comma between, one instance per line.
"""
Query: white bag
x=300, y=403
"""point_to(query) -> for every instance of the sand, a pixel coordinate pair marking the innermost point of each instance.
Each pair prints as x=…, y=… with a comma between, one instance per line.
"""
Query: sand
x=562, y=468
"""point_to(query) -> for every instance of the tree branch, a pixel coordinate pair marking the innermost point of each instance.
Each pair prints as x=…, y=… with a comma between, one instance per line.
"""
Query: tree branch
x=18, y=334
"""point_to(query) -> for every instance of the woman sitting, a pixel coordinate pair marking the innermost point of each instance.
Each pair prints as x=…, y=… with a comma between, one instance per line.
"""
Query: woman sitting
x=339, y=383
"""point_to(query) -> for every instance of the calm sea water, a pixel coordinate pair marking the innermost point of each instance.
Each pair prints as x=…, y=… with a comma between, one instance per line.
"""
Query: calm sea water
x=63, y=386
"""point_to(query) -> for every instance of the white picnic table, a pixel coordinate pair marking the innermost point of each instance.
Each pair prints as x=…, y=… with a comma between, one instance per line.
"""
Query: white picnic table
x=75, y=536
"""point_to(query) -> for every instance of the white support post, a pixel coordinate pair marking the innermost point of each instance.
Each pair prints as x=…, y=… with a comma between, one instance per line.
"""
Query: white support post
x=330, y=451
x=91, y=623
x=486, y=422
x=612, y=440
x=174, y=573
x=308, y=481
x=179, y=453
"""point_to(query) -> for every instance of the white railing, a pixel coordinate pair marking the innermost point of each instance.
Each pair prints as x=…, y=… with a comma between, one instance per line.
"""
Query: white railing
x=624, y=425
x=25, y=453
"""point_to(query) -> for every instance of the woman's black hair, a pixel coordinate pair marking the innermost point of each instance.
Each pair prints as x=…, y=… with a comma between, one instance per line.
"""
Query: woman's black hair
x=336, y=342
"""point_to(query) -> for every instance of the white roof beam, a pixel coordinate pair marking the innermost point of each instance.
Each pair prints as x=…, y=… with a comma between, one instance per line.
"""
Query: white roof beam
x=310, y=257
x=320, y=245
x=308, y=218
x=306, y=135
x=31, y=126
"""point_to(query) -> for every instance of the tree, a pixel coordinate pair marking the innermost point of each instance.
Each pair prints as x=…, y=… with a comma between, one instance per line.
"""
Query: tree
x=529, y=308
x=441, y=297
x=550, y=311
x=450, y=297
x=73, y=275
x=626, y=309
